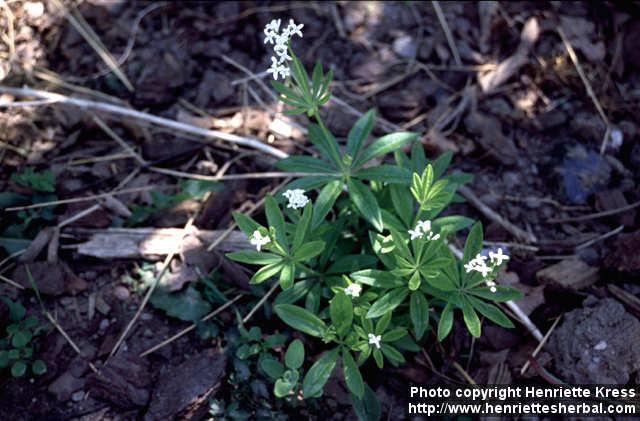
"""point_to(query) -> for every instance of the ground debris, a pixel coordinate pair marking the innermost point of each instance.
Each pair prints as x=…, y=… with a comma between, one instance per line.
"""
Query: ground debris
x=50, y=278
x=569, y=274
x=123, y=381
x=625, y=256
x=185, y=389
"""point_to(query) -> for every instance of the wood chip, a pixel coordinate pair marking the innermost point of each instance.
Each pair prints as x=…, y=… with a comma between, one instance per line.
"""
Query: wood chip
x=569, y=274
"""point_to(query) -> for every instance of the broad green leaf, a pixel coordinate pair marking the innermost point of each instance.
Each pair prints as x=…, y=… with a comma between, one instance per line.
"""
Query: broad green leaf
x=295, y=293
x=419, y=312
x=384, y=145
x=309, y=250
x=350, y=263
x=451, y=224
x=21, y=338
x=302, y=227
x=392, y=354
x=377, y=356
x=442, y=282
x=470, y=319
x=352, y=376
x=394, y=334
x=341, y=311
x=414, y=281
x=300, y=319
x=187, y=305
x=382, y=323
x=18, y=369
x=319, y=373
x=359, y=132
x=272, y=367
x=418, y=159
x=282, y=388
x=491, y=312
x=446, y=322
x=266, y=272
x=473, y=245
x=376, y=278
x=324, y=202
x=390, y=221
x=294, y=357
x=441, y=163
x=254, y=257
x=501, y=295
x=402, y=203
x=387, y=303
x=276, y=220
x=300, y=163
x=366, y=203
x=385, y=174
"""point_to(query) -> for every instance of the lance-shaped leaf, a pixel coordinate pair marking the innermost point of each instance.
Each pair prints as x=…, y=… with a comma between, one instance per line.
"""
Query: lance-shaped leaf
x=384, y=145
x=301, y=319
x=365, y=202
x=319, y=373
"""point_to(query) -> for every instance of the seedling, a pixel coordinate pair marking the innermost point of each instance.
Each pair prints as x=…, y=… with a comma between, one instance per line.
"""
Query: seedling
x=16, y=349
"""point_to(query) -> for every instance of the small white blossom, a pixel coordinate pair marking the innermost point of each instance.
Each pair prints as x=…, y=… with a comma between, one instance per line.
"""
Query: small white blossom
x=280, y=41
x=297, y=198
x=353, y=290
x=258, y=240
x=276, y=68
x=493, y=289
x=422, y=228
x=375, y=340
x=498, y=258
x=293, y=29
x=271, y=31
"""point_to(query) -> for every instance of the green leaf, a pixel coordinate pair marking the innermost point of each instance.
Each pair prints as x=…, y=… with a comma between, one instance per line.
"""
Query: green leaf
x=309, y=250
x=387, y=303
x=16, y=310
x=341, y=311
x=419, y=312
x=319, y=373
x=4, y=358
x=295, y=293
x=385, y=174
x=352, y=376
x=254, y=257
x=451, y=224
x=377, y=278
x=385, y=144
x=383, y=323
x=306, y=164
x=470, y=319
x=245, y=223
x=365, y=202
x=441, y=163
x=501, y=295
x=18, y=369
x=286, y=276
x=294, y=357
x=402, y=203
x=266, y=272
x=491, y=312
x=350, y=263
x=473, y=245
x=446, y=322
x=326, y=143
x=41, y=181
x=272, y=367
x=392, y=354
x=21, y=338
x=394, y=334
x=367, y=408
x=282, y=388
x=301, y=319
x=276, y=219
x=187, y=305
x=359, y=132
x=418, y=158
x=302, y=227
x=324, y=202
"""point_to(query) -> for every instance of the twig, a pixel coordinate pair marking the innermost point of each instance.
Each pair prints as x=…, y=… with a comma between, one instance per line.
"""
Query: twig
x=447, y=32
x=540, y=345
x=191, y=327
x=127, y=112
x=113, y=135
x=600, y=238
x=261, y=302
x=152, y=287
x=464, y=373
x=494, y=216
x=55, y=323
x=79, y=215
x=595, y=215
x=244, y=176
x=11, y=282
x=78, y=22
x=587, y=85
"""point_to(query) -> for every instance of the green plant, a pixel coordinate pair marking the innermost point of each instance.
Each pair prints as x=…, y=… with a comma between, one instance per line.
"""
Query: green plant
x=43, y=181
x=286, y=376
x=15, y=348
x=370, y=255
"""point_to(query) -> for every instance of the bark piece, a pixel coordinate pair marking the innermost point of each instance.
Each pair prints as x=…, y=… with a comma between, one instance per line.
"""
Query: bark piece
x=569, y=274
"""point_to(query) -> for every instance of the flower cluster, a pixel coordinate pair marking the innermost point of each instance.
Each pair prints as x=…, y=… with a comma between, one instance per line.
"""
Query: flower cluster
x=479, y=264
x=353, y=290
x=259, y=240
x=422, y=228
x=296, y=197
x=375, y=340
x=272, y=35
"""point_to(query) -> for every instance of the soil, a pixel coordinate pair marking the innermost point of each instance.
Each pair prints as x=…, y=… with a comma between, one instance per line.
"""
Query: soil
x=506, y=97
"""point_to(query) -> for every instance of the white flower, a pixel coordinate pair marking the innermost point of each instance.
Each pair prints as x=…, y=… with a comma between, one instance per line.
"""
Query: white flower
x=493, y=289
x=297, y=198
x=375, y=340
x=258, y=240
x=478, y=264
x=293, y=29
x=498, y=258
x=271, y=31
x=275, y=68
x=422, y=228
x=353, y=290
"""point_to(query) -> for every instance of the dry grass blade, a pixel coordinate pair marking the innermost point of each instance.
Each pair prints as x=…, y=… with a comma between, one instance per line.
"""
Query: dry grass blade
x=447, y=32
x=540, y=345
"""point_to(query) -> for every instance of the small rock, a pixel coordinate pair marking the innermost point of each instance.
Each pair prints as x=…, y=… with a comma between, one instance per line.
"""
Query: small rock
x=121, y=293
x=65, y=385
x=78, y=396
x=600, y=346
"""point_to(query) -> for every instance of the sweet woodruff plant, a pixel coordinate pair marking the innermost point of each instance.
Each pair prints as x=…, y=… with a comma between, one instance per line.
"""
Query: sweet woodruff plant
x=365, y=266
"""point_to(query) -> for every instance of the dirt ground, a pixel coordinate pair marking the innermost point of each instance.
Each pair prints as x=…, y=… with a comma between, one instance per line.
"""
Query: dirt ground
x=538, y=100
